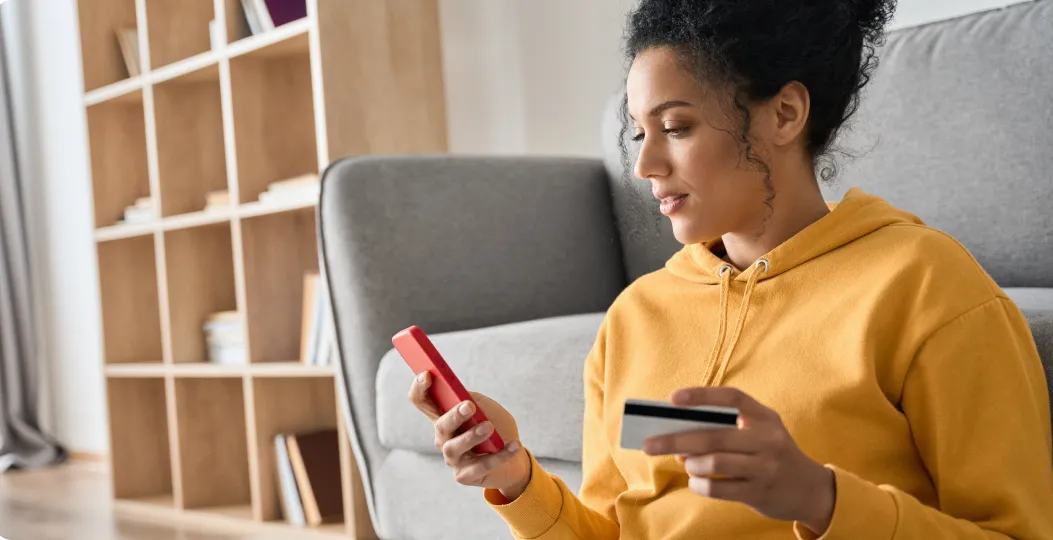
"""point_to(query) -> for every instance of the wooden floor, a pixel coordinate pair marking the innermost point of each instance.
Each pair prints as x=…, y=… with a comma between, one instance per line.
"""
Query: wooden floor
x=72, y=502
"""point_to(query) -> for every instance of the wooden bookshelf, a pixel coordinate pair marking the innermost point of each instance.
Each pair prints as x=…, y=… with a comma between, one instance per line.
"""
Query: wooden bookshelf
x=354, y=77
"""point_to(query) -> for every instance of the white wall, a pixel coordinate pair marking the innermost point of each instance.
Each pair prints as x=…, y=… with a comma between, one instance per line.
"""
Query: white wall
x=523, y=77
x=543, y=69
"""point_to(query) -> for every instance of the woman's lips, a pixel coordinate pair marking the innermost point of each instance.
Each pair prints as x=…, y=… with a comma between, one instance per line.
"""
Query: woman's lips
x=672, y=204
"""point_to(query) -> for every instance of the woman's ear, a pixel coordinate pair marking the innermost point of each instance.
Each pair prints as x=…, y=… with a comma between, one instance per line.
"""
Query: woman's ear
x=790, y=108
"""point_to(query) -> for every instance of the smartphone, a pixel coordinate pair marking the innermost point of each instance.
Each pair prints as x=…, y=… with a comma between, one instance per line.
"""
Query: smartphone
x=446, y=389
x=643, y=419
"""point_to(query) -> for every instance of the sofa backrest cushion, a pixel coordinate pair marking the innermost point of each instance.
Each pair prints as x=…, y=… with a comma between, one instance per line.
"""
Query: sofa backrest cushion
x=957, y=127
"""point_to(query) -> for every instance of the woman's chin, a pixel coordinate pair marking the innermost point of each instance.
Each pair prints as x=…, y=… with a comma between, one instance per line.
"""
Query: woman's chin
x=688, y=232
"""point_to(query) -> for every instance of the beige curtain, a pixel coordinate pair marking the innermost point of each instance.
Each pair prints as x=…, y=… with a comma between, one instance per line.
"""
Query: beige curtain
x=22, y=442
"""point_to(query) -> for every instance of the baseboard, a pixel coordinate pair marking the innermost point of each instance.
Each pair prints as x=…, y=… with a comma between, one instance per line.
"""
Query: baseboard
x=90, y=457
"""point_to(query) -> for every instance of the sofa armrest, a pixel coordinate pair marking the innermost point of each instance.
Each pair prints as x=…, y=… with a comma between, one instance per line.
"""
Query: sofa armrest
x=454, y=243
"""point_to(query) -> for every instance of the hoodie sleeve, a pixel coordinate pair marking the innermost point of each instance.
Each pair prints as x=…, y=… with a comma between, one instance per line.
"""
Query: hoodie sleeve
x=977, y=403
x=548, y=509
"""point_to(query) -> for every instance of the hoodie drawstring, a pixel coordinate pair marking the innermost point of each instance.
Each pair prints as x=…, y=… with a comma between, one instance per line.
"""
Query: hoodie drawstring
x=715, y=379
x=725, y=273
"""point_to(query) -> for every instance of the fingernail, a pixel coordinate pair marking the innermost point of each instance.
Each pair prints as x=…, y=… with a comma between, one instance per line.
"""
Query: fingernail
x=512, y=447
x=483, y=429
x=466, y=408
x=422, y=376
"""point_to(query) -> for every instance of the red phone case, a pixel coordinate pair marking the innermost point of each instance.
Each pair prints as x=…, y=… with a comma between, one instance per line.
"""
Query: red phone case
x=446, y=389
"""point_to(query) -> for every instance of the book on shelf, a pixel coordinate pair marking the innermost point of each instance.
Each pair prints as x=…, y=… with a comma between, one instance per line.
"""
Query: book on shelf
x=292, y=507
x=217, y=200
x=326, y=345
x=128, y=41
x=310, y=309
x=316, y=329
x=225, y=339
x=251, y=16
x=266, y=15
x=300, y=188
x=285, y=11
x=315, y=460
x=141, y=212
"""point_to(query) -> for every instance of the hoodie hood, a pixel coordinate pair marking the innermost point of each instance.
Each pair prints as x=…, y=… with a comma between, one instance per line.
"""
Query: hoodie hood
x=857, y=215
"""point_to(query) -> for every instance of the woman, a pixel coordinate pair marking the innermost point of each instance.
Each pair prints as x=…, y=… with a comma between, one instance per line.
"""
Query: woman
x=888, y=389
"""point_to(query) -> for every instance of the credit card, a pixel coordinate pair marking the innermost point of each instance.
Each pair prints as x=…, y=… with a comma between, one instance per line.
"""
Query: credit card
x=642, y=419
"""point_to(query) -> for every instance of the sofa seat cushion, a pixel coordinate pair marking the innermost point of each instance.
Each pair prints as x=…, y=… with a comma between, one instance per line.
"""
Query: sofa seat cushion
x=534, y=369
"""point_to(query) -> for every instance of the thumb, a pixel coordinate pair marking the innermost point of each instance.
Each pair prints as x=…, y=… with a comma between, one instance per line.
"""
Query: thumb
x=721, y=396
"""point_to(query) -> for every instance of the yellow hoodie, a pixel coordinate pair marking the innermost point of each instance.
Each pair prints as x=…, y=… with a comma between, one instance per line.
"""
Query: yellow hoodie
x=892, y=357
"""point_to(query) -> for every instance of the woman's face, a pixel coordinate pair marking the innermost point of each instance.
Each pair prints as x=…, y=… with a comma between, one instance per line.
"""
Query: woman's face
x=691, y=150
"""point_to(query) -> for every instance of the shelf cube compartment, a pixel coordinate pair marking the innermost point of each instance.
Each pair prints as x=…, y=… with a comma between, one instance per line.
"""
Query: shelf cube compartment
x=100, y=22
x=200, y=264
x=117, y=132
x=179, y=29
x=213, y=443
x=190, y=145
x=313, y=410
x=131, y=320
x=139, y=444
x=274, y=128
x=274, y=281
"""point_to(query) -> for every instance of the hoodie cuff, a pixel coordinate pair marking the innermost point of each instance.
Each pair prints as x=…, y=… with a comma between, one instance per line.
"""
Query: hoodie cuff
x=536, y=510
x=862, y=511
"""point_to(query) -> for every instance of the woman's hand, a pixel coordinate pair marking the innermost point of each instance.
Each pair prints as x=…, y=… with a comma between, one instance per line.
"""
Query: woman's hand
x=757, y=464
x=507, y=470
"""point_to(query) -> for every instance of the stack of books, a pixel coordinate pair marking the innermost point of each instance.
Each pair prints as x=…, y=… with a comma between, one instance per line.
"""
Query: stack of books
x=309, y=477
x=301, y=188
x=316, y=331
x=225, y=339
x=141, y=212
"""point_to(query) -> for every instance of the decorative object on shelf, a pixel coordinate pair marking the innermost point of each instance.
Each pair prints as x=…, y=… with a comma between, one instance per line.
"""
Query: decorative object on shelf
x=315, y=460
x=316, y=330
x=300, y=188
x=128, y=40
x=217, y=200
x=292, y=507
x=225, y=339
x=285, y=11
x=142, y=211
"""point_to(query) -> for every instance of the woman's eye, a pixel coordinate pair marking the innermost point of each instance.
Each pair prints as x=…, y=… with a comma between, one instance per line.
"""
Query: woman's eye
x=676, y=132
x=637, y=137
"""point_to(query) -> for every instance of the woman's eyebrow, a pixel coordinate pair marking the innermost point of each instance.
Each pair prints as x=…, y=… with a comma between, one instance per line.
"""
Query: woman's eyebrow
x=662, y=107
x=665, y=106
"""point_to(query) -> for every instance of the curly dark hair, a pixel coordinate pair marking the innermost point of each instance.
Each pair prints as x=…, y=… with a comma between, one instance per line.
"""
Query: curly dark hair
x=758, y=46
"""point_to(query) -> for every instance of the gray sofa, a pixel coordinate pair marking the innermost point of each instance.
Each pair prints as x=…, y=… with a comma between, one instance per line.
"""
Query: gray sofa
x=509, y=263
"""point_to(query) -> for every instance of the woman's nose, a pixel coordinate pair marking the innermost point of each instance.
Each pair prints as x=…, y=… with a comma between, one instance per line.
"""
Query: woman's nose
x=651, y=163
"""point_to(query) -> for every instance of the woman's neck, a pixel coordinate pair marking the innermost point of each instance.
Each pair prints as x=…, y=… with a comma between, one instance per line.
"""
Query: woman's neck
x=793, y=209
